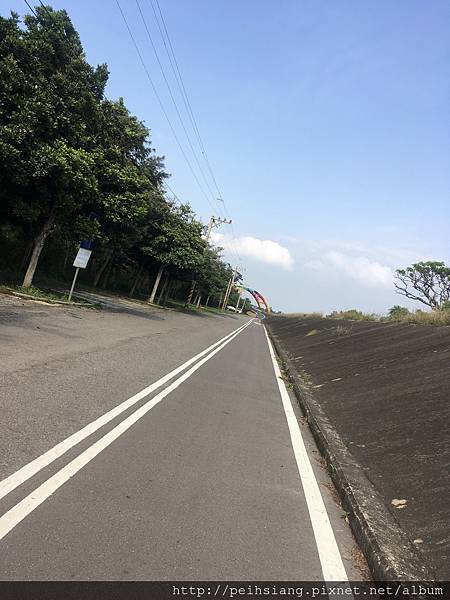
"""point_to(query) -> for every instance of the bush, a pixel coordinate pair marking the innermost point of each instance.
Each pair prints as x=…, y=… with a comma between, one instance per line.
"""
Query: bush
x=397, y=312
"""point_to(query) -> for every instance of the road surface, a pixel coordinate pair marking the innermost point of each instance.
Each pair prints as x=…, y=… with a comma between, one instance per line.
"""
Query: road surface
x=170, y=451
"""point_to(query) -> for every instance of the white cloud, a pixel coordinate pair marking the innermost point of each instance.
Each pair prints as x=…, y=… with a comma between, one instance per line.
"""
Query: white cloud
x=371, y=264
x=368, y=272
x=266, y=251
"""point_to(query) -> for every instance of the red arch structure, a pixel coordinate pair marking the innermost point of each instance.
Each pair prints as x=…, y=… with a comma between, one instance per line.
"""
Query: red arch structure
x=260, y=300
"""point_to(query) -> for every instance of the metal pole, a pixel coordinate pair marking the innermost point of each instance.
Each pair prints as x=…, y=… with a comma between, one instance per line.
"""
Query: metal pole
x=73, y=283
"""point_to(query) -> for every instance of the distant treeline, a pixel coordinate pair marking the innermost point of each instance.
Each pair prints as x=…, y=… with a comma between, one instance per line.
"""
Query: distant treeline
x=75, y=165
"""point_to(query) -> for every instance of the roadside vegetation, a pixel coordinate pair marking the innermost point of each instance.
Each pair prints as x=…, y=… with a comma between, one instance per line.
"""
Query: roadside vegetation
x=397, y=314
x=78, y=166
x=35, y=293
x=425, y=282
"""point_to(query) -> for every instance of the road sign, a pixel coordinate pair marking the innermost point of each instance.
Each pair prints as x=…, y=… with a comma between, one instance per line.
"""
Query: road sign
x=81, y=259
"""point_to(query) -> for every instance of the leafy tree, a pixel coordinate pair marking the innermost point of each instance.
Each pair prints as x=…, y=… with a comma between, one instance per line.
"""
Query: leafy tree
x=212, y=275
x=129, y=177
x=178, y=242
x=48, y=101
x=427, y=282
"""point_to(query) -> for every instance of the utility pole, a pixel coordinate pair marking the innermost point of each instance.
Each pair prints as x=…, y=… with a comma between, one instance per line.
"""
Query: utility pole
x=215, y=222
x=238, y=300
x=229, y=288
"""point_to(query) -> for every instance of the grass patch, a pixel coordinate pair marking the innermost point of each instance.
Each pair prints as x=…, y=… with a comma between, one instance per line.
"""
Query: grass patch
x=311, y=315
x=420, y=317
x=36, y=293
x=343, y=330
x=353, y=315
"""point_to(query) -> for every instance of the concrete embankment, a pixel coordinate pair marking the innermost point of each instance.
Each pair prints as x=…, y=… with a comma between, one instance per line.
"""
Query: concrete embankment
x=377, y=399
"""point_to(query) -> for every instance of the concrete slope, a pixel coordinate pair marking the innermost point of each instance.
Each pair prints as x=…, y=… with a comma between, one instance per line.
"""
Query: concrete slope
x=385, y=388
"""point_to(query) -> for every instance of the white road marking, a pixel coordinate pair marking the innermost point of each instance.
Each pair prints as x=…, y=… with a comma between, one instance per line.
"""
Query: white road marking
x=21, y=510
x=330, y=558
x=10, y=483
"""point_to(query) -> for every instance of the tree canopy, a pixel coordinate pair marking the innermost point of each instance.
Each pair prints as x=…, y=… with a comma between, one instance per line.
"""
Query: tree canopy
x=427, y=282
x=76, y=165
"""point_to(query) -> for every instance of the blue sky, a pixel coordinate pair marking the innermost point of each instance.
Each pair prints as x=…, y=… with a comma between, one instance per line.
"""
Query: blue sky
x=326, y=124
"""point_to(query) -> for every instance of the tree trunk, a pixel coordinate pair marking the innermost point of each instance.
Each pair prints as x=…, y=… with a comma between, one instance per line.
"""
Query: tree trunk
x=163, y=289
x=39, y=242
x=108, y=272
x=156, y=284
x=26, y=256
x=136, y=279
x=102, y=268
x=198, y=301
x=207, y=301
x=168, y=292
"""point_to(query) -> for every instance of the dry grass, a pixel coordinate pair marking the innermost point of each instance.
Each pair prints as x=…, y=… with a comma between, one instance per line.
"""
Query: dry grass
x=353, y=315
x=312, y=315
x=419, y=317
x=343, y=330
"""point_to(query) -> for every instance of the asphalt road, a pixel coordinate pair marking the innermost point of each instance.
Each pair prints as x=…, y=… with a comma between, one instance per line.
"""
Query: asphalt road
x=208, y=474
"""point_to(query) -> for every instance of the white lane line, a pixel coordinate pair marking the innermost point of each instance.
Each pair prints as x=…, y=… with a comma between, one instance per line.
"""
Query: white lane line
x=330, y=558
x=10, y=483
x=21, y=510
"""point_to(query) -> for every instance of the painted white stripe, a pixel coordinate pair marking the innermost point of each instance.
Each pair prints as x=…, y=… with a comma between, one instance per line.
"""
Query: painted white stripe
x=21, y=510
x=10, y=483
x=330, y=558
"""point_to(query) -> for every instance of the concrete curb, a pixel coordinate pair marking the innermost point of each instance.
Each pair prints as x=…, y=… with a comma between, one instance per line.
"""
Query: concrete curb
x=389, y=552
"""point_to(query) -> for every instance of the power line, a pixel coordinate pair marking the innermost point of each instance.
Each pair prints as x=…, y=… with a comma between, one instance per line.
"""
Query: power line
x=183, y=91
x=181, y=86
x=172, y=97
x=159, y=100
x=31, y=8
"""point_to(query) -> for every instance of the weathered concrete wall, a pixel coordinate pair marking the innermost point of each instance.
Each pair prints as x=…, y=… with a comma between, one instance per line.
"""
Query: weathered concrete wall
x=385, y=388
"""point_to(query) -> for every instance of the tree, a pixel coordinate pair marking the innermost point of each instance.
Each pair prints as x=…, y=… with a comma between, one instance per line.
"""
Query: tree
x=49, y=102
x=427, y=282
x=178, y=242
x=130, y=178
x=212, y=274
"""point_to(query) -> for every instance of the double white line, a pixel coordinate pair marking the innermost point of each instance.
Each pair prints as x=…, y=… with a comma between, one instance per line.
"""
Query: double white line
x=21, y=510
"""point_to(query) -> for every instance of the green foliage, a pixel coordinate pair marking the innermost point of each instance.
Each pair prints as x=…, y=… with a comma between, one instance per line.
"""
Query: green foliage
x=76, y=165
x=397, y=312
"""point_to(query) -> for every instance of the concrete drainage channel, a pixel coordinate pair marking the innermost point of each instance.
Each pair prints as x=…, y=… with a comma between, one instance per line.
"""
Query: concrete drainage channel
x=388, y=550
